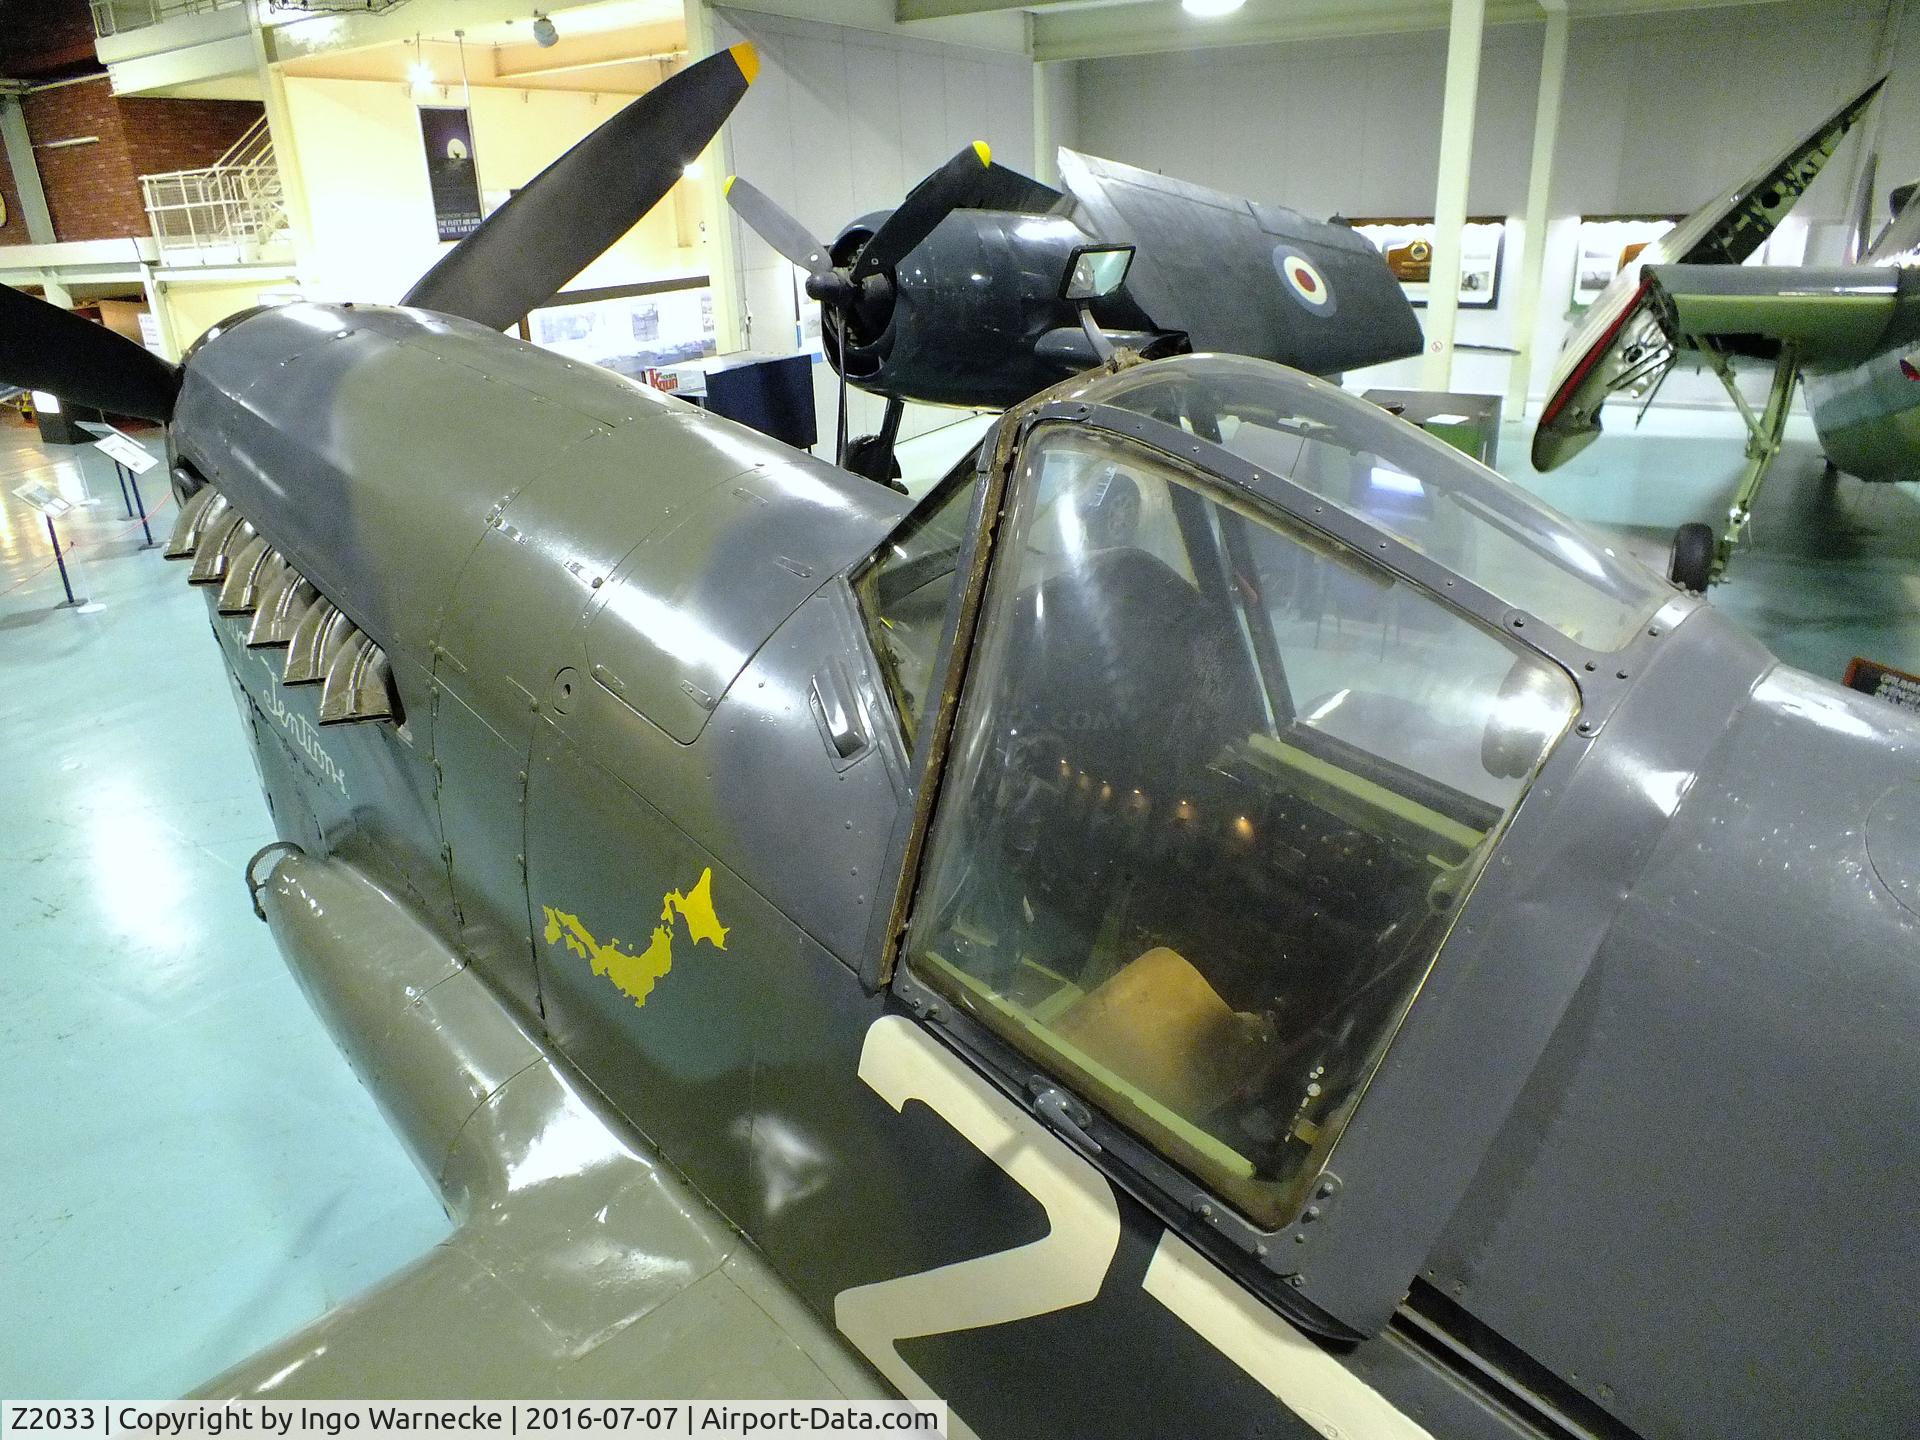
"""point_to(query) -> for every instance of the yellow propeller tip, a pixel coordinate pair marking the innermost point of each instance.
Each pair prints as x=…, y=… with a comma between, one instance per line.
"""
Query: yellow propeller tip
x=727, y=188
x=984, y=151
x=747, y=58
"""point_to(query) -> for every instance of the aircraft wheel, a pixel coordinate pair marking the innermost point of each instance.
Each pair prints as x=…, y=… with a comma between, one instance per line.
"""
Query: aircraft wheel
x=863, y=458
x=1690, y=562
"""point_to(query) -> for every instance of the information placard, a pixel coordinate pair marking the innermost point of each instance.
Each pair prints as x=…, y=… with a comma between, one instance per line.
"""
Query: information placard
x=42, y=497
x=1883, y=682
x=127, y=451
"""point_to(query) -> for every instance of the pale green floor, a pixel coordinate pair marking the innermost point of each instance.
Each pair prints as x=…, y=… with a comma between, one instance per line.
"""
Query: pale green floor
x=189, y=1168
x=1832, y=566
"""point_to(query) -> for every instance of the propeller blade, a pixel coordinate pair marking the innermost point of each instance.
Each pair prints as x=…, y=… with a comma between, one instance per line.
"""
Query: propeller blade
x=969, y=181
x=574, y=210
x=43, y=347
x=774, y=225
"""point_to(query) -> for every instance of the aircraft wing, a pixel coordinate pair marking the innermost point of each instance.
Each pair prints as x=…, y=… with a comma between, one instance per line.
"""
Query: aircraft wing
x=581, y=1265
x=1833, y=316
x=1620, y=343
x=1246, y=278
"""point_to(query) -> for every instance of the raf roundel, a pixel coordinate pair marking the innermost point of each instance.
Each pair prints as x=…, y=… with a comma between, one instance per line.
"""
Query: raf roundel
x=1304, y=281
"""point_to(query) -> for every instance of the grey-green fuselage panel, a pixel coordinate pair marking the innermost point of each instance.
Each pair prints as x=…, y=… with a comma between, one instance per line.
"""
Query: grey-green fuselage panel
x=1856, y=331
x=1868, y=414
x=611, y=801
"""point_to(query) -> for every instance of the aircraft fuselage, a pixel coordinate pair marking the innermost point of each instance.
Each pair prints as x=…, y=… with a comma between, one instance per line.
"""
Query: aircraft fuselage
x=648, y=779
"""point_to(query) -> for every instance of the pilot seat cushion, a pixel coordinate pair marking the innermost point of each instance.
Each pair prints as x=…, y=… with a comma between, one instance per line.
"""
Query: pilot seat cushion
x=1159, y=1025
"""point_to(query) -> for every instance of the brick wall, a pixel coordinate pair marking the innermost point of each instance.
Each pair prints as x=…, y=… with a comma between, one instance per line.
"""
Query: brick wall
x=93, y=190
x=43, y=38
x=14, y=232
x=183, y=134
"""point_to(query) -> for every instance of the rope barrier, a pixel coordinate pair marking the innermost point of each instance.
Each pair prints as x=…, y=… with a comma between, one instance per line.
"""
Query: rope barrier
x=94, y=543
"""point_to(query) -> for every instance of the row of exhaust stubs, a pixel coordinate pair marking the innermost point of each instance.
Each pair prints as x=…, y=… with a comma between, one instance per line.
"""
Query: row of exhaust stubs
x=323, y=646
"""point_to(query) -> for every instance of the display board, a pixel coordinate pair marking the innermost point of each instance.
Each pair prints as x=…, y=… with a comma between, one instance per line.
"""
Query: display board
x=1883, y=682
x=1608, y=244
x=630, y=329
x=1408, y=245
x=123, y=449
x=44, y=498
x=807, y=336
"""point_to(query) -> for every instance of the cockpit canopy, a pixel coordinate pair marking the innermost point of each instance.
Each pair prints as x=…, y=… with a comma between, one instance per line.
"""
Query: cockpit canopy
x=1226, y=766
x=1418, y=489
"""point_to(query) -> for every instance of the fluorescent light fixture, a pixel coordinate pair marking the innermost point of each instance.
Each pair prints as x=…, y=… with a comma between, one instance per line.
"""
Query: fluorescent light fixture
x=1396, y=481
x=1211, y=9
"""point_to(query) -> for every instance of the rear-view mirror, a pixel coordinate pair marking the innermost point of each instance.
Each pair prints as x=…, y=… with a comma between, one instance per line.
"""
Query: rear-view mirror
x=1094, y=271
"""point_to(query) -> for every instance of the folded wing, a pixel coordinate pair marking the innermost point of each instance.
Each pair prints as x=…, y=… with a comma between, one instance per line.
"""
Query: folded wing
x=1243, y=277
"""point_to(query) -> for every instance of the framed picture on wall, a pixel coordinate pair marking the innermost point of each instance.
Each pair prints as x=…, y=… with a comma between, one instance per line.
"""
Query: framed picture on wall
x=1407, y=242
x=1608, y=244
x=629, y=329
x=806, y=317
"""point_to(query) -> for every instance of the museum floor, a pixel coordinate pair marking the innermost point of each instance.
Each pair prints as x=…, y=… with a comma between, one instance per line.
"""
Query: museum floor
x=191, y=1169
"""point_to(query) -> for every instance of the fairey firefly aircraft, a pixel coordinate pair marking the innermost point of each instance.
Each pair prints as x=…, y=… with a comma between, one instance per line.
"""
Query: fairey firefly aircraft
x=960, y=296
x=1225, y=918
x=1848, y=334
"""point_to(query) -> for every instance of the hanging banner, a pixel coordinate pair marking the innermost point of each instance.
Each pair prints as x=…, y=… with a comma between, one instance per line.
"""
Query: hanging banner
x=448, y=134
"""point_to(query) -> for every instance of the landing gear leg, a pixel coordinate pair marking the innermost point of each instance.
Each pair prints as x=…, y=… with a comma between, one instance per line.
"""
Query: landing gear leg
x=1764, y=433
x=872, y=455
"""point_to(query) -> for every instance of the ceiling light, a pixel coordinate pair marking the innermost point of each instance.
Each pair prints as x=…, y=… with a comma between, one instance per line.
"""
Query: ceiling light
x=419, y=73
x=693, y=170
x=543, y=32
x=1211, y=9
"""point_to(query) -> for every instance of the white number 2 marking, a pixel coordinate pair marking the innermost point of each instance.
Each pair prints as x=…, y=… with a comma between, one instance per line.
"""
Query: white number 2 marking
x=1066, y=1266
x=1290, y=1367
x=1061, y=1269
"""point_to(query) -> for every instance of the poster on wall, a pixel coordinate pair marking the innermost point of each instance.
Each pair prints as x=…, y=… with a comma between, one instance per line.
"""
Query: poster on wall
x=447, y=131
x=1608, y=245
x=1408, y=246
x=642, y=328
x=806, y=318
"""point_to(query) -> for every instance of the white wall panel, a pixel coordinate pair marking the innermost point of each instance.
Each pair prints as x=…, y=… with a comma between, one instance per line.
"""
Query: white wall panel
x=841, y=122
x=1659, y=113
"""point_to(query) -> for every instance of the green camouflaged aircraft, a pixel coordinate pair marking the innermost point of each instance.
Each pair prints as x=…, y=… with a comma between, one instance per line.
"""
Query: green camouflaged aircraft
x=1225, y=917
x=1846, y=335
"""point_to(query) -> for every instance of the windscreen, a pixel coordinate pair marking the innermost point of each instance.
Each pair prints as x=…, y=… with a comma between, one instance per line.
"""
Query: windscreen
x=1416, y=488
x=1218, y=790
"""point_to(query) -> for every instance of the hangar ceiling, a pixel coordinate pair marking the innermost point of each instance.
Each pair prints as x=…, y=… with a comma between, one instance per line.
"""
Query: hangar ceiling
x=1089, y=29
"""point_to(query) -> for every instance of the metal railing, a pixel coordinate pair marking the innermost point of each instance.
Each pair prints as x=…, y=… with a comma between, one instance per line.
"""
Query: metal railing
x=116, y=17
x=337, y=7
x=222, y=213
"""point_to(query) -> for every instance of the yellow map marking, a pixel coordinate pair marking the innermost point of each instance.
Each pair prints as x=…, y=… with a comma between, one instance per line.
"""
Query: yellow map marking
x=635, y=974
